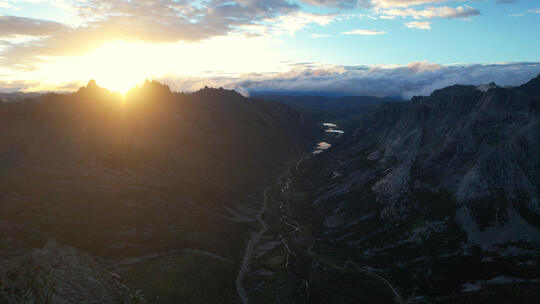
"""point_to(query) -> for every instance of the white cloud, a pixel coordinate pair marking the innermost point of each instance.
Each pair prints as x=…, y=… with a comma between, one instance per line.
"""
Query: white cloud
x=403, y=3
x=423, y=25
x=294, y=22
x=158, y=21
x=319, y=35
x=423, y=66
x=363, y=32
x=417, y=78
x=433, y=12
x=6, y=4
x=339, y=3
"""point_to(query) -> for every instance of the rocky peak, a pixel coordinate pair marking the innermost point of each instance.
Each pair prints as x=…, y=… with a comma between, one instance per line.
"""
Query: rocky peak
x=533, y=86
x=487, y=87
x=92, y=89
x=92, y=85
x=213, y=92
x=482, y=147
x=152, y=85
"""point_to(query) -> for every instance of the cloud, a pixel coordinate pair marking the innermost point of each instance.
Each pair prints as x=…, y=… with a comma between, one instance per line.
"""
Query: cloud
x=319, y=35
x=433, y=12
x=423, y=66
x=16, y=26
x=6, y=4
x=373, y=4
x=161, y=21
x=403, y=3
x=339, y=3
x=291, y=23
x=364, y=32
x=423, y=25
x=417, y=78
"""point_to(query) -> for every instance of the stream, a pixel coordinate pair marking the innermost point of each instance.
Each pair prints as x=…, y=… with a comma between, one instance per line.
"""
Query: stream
x=255, y=238
x=284, y=218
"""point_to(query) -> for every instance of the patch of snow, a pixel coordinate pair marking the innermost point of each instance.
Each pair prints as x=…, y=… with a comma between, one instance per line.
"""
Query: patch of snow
x=335, y=131
x=323, y=145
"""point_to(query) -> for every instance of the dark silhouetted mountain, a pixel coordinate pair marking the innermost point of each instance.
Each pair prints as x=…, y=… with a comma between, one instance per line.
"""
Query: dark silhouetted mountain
x=18, y=97
x=321, y=108
x=328, y=103
x=148, y=173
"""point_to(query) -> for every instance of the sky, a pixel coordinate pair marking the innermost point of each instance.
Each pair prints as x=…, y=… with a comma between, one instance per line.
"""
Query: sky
x=352, y=47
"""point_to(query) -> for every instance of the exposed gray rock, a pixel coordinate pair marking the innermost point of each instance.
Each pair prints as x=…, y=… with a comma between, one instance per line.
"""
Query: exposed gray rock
x=480, y=144
x=60, y=274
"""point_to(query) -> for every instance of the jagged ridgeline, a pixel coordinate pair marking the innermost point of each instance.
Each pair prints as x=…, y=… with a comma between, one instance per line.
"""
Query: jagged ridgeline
x=435, y=200
x=151, y=172
x=85, y=167
x=439, y=195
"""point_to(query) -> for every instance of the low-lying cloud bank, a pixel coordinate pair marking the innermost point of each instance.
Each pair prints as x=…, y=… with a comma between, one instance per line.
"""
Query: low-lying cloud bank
x=417, y=78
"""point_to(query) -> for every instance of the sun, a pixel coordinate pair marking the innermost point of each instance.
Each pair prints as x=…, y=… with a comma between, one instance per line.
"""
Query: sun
x=121, y=84
x=118, y=66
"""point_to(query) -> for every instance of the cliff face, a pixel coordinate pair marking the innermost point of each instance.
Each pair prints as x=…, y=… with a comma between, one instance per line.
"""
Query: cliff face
x=483, y=147
x=439, y=194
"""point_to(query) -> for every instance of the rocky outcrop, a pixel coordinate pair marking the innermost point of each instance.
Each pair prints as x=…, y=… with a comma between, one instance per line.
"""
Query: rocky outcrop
x=435, y=193
x=479, y=145
x=60, y=274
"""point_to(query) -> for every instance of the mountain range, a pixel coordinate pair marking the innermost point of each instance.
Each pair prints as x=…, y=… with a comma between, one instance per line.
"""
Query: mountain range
x=152, y=172
x=320, y=108
x=438, y=195
x=211, y=197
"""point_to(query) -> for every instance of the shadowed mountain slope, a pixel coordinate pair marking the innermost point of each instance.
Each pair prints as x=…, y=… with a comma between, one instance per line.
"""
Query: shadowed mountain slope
x=439, y=195
x=322, y=108
x=154, y=171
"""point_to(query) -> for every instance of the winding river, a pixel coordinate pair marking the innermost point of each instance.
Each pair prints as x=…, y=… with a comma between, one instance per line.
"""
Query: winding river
x=255, y=238
x=285, y=180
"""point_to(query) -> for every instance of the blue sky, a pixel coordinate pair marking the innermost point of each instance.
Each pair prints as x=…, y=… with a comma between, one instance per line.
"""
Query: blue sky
x=500, y=33
x=60, y=44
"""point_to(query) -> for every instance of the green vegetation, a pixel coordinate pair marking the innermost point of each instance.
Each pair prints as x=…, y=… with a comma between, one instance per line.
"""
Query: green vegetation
x=184, y=278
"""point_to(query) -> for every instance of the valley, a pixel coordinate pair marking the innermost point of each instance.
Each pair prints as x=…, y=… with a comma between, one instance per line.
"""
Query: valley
x=269, y=152
x=340, y=211
x=292, y=243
